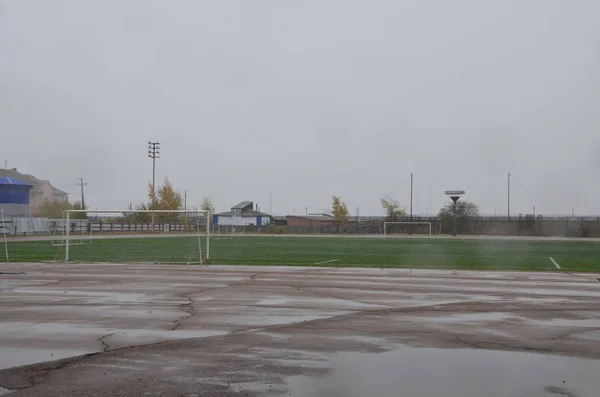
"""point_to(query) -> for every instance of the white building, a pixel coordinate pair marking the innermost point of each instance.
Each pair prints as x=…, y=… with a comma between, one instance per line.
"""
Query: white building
x=242, y=214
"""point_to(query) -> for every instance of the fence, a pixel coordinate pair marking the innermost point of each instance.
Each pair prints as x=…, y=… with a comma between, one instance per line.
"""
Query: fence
x=521, y=225
x=40, y=226
x=57, y=226
x=24, y=225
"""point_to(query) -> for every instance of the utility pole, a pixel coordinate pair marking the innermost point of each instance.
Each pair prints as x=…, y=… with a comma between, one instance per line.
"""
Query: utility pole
x=82, y=184
x=185, y=200
x=508, y=202
x=411, y=197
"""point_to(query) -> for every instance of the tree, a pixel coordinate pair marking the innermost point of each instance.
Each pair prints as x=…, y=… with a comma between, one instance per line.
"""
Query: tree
x=166, y=198
x=55, y=209
x=207, y=205
x=138, y=216
x=465, y=212
x=78, y=215
x=392, y=208
x=339, y=209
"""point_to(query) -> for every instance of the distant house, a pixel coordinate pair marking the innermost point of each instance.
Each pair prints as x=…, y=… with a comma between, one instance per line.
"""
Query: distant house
x=14, y=197
x=242, y=214
x=41, y=191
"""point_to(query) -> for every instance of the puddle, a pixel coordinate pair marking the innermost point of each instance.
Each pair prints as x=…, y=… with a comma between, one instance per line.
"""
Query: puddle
x=564, y=322
x=469, y=318
x=15, y=357
x=426, y=372
x=4, y=392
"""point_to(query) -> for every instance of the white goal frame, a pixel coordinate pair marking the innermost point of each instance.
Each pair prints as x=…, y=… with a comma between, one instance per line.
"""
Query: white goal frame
x=61, y=226
x=227, y=233
x=4, y=234
x=405, y=223
x=67, y=217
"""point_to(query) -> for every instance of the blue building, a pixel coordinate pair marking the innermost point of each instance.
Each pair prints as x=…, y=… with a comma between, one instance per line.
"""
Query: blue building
x=242, y=214
x=14, y=197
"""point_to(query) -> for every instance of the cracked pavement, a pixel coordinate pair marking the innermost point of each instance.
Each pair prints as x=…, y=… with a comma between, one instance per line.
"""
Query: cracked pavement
x=128, y=330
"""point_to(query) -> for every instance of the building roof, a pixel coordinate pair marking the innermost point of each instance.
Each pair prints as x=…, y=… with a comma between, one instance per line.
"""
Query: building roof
x=242, y=205
x=315, y=217
x=58, y=192
x=29, y=179
x=246, y=214
x=14, y=182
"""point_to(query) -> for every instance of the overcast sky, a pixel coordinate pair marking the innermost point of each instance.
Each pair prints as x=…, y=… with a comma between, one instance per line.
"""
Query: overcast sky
x=307, y=99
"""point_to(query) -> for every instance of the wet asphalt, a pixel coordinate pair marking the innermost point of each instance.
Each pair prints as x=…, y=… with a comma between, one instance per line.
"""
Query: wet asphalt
x=163, y=330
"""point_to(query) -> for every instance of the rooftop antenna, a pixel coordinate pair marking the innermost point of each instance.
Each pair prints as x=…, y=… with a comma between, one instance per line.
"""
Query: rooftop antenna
x=454, y=195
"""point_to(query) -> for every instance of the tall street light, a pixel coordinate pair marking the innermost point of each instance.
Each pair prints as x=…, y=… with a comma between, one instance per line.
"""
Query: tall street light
x=153, y=153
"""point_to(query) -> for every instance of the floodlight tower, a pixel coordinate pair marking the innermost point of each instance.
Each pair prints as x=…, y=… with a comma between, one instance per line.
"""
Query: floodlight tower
x=454, y=195
x=153, y=153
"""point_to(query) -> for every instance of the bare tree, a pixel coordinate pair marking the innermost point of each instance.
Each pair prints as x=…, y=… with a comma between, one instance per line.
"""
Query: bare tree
x=465, y=212
x=392, y=208
x=207, y=205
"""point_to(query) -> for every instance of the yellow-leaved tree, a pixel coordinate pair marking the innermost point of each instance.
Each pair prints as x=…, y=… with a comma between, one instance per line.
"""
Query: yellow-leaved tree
x=339, y=209
x=167, y=198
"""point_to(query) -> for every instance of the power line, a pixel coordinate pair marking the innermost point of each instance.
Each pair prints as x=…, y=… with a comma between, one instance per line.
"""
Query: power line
x=390, y=193
x=529, y=191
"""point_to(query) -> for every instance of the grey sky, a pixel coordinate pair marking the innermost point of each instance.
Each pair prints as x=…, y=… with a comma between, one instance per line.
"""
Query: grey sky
x=309, y=99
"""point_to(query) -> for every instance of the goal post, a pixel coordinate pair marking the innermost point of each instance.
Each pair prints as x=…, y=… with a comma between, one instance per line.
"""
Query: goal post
x=5, y=241
x=81, y=233
x=222, y=232
x=141, y=236
x=390, y=228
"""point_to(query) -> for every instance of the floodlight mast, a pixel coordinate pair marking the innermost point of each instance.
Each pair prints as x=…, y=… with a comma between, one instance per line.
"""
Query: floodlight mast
x=454, y=195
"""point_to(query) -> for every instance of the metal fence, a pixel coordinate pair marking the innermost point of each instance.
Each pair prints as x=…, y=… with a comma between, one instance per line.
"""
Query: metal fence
x=24, y=225
x=520, y=225
x=57, y=226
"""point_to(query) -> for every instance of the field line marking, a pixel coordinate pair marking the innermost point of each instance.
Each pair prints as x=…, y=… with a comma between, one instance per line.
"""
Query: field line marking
x=555, y=264
x=324, y=262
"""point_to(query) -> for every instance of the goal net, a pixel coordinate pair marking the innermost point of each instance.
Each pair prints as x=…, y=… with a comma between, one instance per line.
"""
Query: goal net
x=222, y=232
x=407, y=228
x=80, y=232
x=133, y=236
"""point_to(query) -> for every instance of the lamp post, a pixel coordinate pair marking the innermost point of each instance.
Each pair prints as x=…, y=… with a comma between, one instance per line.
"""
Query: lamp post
x=153, y=153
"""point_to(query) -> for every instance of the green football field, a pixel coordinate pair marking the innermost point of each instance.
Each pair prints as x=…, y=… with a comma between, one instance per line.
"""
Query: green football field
x=440, y=253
